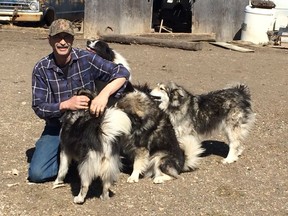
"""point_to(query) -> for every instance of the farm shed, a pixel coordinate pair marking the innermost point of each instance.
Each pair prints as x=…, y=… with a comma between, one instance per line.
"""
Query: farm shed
x=117, y=16
x=223, y=17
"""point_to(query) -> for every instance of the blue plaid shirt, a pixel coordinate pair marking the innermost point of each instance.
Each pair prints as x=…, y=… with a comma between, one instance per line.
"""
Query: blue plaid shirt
x=50, y=86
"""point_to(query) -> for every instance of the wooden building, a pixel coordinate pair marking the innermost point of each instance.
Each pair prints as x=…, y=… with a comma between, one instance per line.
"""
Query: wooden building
x=117, y=16
x=222, y=17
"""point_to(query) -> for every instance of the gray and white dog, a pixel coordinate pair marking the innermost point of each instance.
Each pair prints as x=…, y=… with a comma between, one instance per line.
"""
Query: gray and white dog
x=152, y=144
x=194, y=116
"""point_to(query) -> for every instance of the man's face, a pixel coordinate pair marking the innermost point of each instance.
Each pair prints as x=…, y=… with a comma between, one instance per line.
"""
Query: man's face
x=61, y=43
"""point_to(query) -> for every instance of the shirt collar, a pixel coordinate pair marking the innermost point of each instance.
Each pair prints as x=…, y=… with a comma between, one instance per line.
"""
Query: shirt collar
x=52, y=63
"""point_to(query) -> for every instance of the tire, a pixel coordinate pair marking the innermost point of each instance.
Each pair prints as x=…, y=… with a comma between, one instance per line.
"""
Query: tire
x=49, y=17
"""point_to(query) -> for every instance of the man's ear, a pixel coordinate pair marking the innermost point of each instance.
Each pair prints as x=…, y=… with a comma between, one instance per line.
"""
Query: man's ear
x=49, y=40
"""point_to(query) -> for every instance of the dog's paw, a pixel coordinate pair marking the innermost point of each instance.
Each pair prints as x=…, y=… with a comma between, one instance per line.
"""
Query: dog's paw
x=104, y=196
x=229, y=160
x=158, y=180
x=133, y=179
x=240, y=150
x=78, y=200
x=162, y=178
x=58, y=184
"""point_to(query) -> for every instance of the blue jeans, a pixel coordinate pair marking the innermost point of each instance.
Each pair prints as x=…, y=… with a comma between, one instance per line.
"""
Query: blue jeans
x=45, y=160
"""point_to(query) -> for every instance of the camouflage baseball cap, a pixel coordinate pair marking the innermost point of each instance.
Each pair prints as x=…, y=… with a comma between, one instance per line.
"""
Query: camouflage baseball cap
x=59, y=26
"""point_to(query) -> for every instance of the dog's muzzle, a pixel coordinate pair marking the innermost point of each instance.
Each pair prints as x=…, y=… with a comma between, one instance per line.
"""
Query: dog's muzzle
x=155, y=98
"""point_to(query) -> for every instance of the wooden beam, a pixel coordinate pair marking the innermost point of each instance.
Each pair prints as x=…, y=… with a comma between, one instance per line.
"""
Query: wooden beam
x=169, y=43
x=192, y=37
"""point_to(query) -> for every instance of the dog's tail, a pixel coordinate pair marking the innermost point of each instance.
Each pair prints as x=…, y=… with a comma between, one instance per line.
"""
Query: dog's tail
x=248, y=117
x=244, y=90
x=164, y=165
x=171, y=166
x=115, y=123
x=192, y=149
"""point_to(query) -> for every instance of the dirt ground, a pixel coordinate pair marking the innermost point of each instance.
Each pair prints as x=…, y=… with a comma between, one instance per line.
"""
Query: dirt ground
x=257, y=184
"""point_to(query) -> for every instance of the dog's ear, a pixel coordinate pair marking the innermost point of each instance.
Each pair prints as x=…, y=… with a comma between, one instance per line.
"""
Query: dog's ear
x=129, y=87
x=175, y=89
x=181, y=92
x=88, y=42
x=172, y=86
x=162, y=87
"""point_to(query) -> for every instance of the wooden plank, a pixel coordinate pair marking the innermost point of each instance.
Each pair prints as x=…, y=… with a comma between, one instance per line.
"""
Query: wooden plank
x=231, y=47
x=192, y=37
x=283, y=46
x=128, y=39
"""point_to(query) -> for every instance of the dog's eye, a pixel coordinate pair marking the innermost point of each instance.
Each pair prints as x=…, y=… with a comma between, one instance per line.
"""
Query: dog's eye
x=161, y=88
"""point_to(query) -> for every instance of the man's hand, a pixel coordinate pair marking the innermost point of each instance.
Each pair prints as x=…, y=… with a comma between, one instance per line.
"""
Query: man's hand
x=98, y=104
x=75, y=103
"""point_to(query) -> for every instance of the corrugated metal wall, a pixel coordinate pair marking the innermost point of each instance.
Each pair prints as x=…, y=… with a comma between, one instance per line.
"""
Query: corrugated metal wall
x=223, y=17
x=117, y=16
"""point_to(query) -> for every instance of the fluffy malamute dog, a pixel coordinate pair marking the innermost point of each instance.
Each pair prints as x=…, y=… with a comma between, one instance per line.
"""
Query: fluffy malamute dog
x=194, y=116
x=152, y=144
x=93, y=143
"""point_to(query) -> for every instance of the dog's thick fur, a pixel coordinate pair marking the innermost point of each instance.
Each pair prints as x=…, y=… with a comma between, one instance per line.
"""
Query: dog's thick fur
x=102, y=49
x=194, y=116
x=152, y=144
x=93, y=143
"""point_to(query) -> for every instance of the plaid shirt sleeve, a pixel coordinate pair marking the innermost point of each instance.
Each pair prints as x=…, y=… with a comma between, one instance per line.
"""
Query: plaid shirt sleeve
x=107, y=71
x=42, y=103
x=50, y=87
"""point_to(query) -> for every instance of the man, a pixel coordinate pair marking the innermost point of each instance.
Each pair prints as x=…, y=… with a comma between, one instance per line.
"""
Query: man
x=55, y=79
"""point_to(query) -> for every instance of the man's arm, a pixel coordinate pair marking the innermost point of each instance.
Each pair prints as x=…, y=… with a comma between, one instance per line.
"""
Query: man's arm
x=99, y=103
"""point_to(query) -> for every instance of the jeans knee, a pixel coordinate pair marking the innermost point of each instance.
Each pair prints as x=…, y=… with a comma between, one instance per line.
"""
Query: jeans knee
x=38, y=175
x=35, y=175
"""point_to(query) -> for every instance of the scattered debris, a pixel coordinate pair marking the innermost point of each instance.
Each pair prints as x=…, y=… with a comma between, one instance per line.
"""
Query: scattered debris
x=31, y=183
x=231, y=47
x=58, y=186
x=15, y=172
x=13, y=184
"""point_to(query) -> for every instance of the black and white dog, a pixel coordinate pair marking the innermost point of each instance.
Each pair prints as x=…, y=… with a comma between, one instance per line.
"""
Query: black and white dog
x=194, y=116
x=93, y=143
x=152, y=144
x=102, y=49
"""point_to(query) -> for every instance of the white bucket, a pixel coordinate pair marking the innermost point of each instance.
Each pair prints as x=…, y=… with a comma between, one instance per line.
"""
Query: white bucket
x=256, y=24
